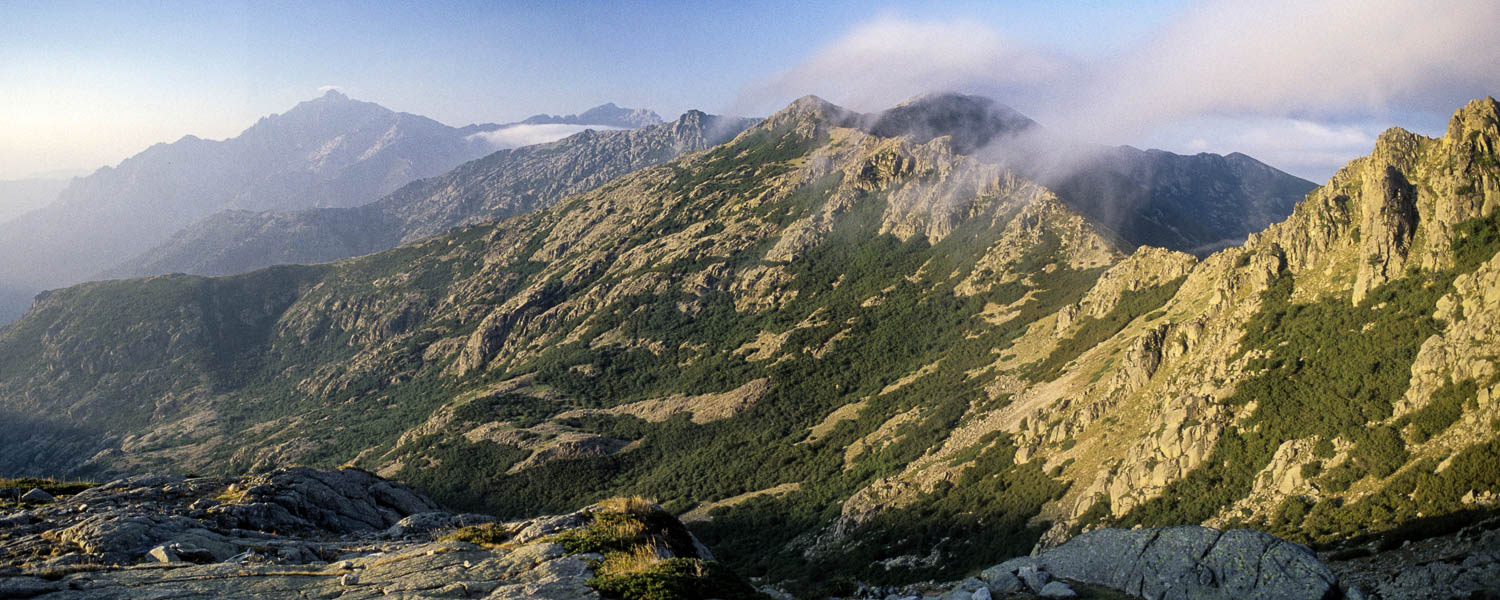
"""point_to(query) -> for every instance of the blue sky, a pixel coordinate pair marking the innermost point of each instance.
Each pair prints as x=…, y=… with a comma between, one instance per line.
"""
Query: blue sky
x=86, y=84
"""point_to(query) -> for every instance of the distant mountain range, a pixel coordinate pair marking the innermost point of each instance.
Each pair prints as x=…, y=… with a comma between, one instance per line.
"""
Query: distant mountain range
x=328, y=152
x=1145, y=197
x=498, y=186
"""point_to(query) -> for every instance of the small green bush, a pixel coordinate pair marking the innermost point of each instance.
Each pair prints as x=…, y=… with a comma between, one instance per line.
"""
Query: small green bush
x=678, y=579
x=489, y=534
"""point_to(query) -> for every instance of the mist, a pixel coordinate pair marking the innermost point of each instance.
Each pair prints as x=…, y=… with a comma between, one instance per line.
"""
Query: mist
x=1304, y=86
x=516, y=136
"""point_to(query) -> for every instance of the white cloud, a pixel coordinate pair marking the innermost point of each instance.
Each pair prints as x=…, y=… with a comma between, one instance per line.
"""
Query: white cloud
x=516, y=136
x=1290, y=58
x=1284, y=67
x=882, y=62
x=324, y=89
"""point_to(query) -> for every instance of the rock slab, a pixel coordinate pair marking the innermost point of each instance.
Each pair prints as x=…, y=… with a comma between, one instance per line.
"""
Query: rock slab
x=1192, y=562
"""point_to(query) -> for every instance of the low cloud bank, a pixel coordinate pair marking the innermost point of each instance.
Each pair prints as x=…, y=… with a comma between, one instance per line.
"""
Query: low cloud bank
x=516, y=136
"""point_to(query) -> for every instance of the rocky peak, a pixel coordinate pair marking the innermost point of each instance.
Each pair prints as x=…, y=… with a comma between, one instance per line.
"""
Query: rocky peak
x=695, y=120
x=334, y=95
x=972, y=121
x=1479, y=119
x=809, y=109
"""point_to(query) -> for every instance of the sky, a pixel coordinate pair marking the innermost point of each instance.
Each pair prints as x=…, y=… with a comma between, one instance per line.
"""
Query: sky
x=1302, y=85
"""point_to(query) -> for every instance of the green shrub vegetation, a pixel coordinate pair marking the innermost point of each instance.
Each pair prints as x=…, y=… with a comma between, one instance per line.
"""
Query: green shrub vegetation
x=1474, y=242
x=1094, y=331
x=1442, y=410
x=1326, y=369
x=488, y=534
x=648, y=555
x=678, y=579
x=1330, y=369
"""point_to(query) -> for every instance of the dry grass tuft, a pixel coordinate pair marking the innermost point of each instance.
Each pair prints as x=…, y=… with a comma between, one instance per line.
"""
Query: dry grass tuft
x=233, y=494
x=623, y=529
x=639, y=559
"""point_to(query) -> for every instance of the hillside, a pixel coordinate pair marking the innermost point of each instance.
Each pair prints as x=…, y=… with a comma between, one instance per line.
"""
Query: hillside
x=869, y=357
x=503, y=184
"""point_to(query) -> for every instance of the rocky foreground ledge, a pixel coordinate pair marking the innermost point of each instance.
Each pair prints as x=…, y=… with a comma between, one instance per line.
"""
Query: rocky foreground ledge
x=1169, y=563
x=1191, y=562
x=301, y=533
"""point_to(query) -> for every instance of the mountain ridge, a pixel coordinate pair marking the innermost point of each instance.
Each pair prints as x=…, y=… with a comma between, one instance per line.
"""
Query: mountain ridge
x=921, y=362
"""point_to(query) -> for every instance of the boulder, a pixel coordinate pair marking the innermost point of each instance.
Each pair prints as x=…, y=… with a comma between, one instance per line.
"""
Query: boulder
x=1033, y=577
x=1004, y=582
x=343, y=501
x=163, y=554
x=192, y=553
x=1009, y=566
x=311, y=535
x=1057, y=589
x=428, y=522
x=545, y=526
x=37, y=496
x=1192, y=562
x=965, y=590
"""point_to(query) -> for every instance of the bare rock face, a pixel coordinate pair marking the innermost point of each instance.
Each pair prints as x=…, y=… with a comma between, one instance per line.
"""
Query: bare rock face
x=1463, y=564
x=1386, y=230
x=289, y=514
x=343, y=501
x=1146, y=267
x=1192, y=562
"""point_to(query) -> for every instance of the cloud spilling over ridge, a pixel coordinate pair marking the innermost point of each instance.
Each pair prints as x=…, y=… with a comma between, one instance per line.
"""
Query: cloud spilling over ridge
x=1277, y=75
x=885, y=61
x=516, y=136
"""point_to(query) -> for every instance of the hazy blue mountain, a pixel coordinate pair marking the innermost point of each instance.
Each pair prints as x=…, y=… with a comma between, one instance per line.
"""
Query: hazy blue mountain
x=328, y=152
x=504, y=184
